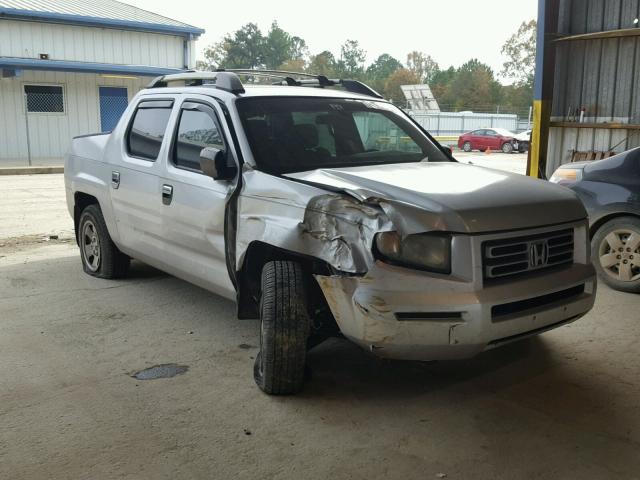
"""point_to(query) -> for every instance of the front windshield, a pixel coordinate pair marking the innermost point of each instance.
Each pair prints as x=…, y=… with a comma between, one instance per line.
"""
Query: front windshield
x=294, y=134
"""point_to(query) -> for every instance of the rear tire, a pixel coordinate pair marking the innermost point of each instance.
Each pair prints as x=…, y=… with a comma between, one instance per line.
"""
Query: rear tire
x=466, y=146
x=507, y=148
x=100, y=256
x=284, y=329
x=615, y=252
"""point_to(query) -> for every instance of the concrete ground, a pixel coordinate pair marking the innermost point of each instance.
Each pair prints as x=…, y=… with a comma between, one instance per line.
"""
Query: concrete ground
x=565, y=405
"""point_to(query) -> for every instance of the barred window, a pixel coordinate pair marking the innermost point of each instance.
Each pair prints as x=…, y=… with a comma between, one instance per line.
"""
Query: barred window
x=44, y=98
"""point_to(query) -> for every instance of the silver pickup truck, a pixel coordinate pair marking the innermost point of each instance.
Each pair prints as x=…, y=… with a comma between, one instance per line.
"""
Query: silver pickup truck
x=323, y=210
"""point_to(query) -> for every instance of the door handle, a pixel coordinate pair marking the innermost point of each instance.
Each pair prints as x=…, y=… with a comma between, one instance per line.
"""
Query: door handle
x=167, y=194
x=115, y=179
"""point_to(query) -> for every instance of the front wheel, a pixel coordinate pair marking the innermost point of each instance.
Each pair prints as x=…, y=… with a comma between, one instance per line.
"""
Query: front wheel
x=615, y=251
x=467, y=147
x=507, y=148
x=284, y=329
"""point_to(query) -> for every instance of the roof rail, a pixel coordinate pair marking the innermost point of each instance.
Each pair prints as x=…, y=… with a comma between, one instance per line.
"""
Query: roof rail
x=227, y=81
x=308, y=80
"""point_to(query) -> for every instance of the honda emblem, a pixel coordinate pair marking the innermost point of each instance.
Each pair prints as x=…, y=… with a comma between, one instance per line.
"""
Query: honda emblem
x=538, y=254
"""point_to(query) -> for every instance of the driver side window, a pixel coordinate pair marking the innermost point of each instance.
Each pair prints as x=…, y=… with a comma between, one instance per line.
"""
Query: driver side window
x=197, y=129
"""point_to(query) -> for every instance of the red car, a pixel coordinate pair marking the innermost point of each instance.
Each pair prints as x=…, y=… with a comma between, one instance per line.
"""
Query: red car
x=493, y=138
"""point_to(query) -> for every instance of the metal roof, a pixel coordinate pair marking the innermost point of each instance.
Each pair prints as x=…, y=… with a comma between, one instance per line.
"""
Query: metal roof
x=9, y=63
x=95, y=13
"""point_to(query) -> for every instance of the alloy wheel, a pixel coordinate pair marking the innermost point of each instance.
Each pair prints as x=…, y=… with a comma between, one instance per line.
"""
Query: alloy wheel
x=91, y=246
x=619, y=255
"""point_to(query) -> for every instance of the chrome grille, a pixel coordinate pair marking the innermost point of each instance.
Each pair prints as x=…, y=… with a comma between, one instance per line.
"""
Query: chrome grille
x=515, y=256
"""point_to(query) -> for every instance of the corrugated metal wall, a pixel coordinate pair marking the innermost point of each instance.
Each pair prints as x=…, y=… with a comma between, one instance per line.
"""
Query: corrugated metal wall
x=50, y=133
x=89, y=44
x=600, y=75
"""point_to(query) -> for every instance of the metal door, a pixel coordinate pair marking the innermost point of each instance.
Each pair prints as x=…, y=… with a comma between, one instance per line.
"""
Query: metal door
x=194, y=207
x=113, y=103
x=137, y=163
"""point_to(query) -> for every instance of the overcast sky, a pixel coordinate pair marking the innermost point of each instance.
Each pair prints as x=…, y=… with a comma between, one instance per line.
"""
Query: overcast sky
x=451, y=31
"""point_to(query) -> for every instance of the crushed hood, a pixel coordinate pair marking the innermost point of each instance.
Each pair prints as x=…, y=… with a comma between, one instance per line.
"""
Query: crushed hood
x=452, y=196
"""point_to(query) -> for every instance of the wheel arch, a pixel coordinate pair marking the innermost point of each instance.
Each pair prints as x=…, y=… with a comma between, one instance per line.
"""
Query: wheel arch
x=81, y=200
x=595, y=226
x=258, y=253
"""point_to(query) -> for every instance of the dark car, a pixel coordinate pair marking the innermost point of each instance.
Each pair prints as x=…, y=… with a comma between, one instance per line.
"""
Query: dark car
x=610, y=191
x=485, y=138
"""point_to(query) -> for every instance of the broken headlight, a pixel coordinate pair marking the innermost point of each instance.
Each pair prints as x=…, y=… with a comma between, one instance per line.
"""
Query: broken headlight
x=422, y=251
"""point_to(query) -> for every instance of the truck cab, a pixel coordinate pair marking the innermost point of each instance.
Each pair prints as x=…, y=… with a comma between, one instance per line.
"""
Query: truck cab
x=324, y=210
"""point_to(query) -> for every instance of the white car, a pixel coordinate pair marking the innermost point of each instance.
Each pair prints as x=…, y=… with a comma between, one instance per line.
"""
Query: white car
x=524, y=139
x=324, y=212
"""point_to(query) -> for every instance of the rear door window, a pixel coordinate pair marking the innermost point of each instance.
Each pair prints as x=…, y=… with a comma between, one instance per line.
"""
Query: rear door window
x=148, y=128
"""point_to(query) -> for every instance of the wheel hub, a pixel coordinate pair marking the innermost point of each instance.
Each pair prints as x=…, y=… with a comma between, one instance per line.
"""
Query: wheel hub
x=90, y=246
x=619, y=255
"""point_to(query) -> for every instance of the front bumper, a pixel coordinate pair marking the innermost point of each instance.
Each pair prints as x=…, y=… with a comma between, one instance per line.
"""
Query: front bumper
x=405, y=314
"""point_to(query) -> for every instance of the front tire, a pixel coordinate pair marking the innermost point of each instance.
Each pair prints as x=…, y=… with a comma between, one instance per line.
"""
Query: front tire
x=615, y=252
x=507, y=148
x=467, y=147
x=100, y=256
x=284, y=330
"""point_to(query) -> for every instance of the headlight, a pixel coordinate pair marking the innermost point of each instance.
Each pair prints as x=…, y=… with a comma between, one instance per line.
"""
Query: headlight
x=422, y=251
x=566, y=175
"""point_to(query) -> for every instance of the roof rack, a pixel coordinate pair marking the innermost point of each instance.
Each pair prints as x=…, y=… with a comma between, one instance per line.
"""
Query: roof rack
x=308, y=80
x=229, y=81
x=223, y=80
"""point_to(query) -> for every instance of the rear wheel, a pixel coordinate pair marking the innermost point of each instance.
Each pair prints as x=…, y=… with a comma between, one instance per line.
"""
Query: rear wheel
x=100, y=257
x=615, y=251
x=467, y=147
x=507, y=148
x=284, y=329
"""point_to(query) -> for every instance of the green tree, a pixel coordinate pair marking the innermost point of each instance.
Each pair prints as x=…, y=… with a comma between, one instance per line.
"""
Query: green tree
x=280, y=47
x=517, y=98
x=392, y=90
x=277, y=46
x=293, y=65
x=242, y=49
x=214, y=57
x=441, y=82
x=473, y=87
x=520, y=50
x=324, y=63
x=422, y=65
x=383, y=66
x=377, y=73
x=352, y=57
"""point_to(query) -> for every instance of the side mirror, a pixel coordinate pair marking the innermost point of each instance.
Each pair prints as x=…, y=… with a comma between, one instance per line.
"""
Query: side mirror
x=213, y=163
x=448, y=149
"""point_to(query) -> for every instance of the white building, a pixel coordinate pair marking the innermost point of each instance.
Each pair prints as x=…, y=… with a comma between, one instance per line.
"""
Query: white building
x=69, y=67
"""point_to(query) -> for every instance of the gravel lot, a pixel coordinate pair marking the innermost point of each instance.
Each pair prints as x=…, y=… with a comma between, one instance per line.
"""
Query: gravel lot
x=561, y=406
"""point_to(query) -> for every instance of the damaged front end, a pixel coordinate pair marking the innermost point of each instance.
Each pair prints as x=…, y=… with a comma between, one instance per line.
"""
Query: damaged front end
x=330, y=233
x=409, y=309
